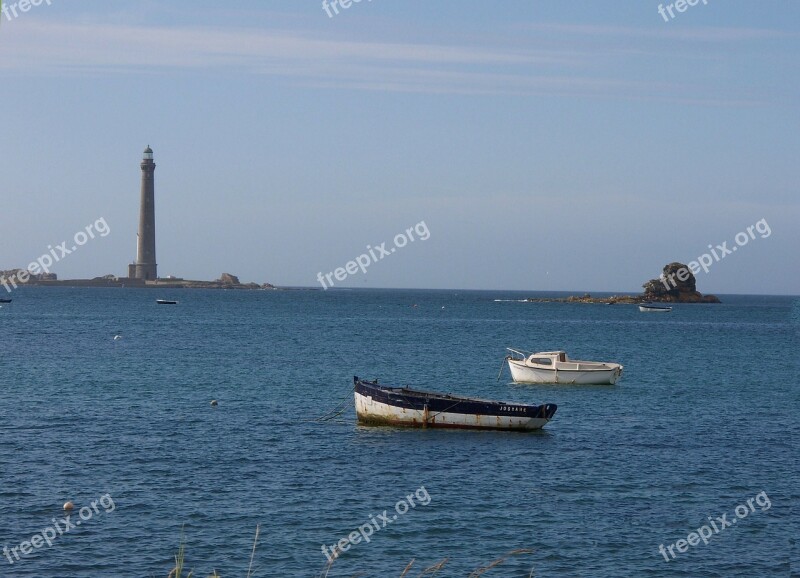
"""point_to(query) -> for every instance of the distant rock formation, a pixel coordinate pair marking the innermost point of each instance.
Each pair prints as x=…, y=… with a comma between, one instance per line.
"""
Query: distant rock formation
x=587, y=298
x=225, y=281
x=23, y=277
x=228, y=279
x=676, y=284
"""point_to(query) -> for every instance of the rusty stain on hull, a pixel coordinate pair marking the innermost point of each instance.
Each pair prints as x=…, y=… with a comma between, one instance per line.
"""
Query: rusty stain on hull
x=376, y=421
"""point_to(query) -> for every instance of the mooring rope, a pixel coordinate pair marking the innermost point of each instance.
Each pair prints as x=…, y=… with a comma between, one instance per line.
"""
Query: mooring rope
x=502, y=366
x=336, y=411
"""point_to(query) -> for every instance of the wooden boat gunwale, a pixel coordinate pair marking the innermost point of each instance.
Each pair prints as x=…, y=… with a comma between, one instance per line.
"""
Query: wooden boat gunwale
x=430, y=406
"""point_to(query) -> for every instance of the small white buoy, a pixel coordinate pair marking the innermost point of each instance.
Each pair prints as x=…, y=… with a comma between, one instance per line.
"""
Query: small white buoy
x=213, y=403
x=68, y=506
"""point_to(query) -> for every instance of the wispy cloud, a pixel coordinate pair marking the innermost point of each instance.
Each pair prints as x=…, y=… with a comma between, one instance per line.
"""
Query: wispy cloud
x=660, y=32
x=526, y=64
x=128, y=46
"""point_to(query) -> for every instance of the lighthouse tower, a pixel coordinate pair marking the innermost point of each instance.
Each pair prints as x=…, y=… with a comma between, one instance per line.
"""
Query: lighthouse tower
x=145, y=266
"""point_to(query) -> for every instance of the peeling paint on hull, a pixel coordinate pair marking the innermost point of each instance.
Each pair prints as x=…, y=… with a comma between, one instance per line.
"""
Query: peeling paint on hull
x=381, y=405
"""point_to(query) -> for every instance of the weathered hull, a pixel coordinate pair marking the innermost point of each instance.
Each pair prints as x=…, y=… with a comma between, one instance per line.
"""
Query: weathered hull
x=646, y=309
x=522, y=373
x=379, y=405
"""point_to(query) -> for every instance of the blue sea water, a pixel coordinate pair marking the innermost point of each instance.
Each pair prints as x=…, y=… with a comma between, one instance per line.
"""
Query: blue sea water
x=703, y=419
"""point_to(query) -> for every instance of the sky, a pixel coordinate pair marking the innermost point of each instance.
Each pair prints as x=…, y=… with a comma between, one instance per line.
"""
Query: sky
x=543, y=146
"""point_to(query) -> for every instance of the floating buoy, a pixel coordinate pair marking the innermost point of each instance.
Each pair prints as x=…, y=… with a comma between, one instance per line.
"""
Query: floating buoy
x=68, y=506
x=213, y=403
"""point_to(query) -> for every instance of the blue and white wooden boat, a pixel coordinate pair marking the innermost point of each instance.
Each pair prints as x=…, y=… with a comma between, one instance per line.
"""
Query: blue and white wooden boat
x=401, y=406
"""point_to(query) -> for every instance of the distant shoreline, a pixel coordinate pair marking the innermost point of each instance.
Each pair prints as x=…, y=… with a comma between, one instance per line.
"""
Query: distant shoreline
x=137, y=284
x=546, y=296
x=16, y=278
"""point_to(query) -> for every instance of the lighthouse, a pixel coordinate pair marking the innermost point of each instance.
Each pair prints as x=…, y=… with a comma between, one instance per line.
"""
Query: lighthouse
x=145, y=266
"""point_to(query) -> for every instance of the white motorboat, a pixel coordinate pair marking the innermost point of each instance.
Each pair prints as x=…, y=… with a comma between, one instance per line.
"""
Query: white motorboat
x=653, y=308
x=556, y=367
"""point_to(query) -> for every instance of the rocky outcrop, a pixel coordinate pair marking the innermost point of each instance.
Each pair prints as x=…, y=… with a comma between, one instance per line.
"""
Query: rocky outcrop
x=23, y=276
x=228, y=279
x=225, y=281
x=677, y=284
x=586, y=298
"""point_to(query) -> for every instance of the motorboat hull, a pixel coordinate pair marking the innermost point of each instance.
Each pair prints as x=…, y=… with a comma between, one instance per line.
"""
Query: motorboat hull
x=523, y=373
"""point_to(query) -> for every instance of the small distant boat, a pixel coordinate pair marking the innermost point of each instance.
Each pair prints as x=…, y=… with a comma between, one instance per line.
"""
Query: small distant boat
x=653, y=308
x=166, y=302
x=5, y=300
x=556, y=367
x=401, y=406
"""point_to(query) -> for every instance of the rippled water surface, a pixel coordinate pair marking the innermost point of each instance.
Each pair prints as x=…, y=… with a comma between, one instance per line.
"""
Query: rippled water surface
x=703, y=419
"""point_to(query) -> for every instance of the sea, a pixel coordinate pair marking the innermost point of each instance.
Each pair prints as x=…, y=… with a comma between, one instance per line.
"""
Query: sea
x=688, y=466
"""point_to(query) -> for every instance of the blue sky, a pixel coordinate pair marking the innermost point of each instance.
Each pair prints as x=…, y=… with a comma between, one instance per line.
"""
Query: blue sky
x=547, y=145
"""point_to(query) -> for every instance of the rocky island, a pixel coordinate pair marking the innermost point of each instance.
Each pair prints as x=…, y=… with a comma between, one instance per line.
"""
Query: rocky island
x=677, y=284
